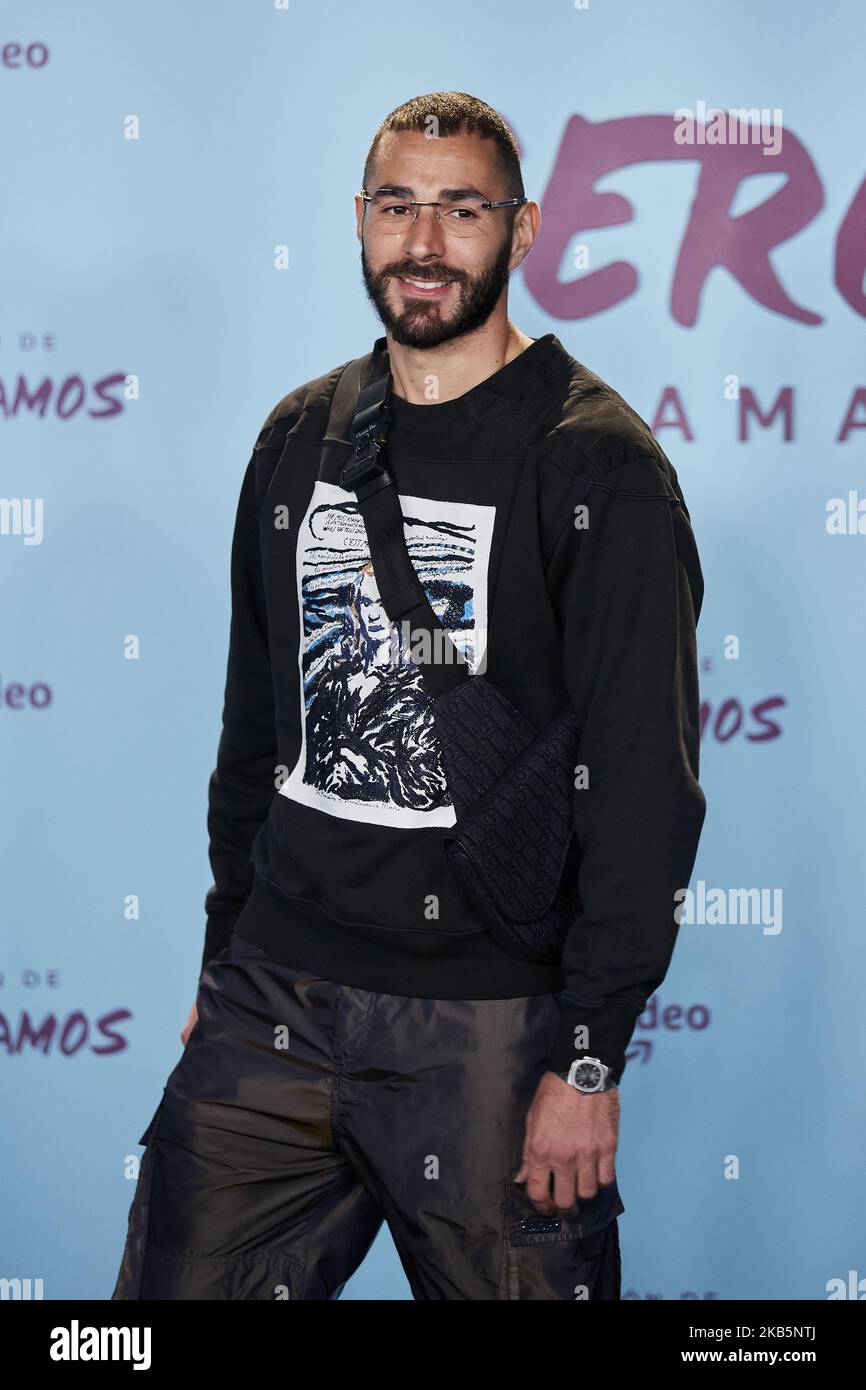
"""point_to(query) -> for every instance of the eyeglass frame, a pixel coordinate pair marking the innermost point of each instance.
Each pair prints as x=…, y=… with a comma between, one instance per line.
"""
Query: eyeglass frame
x=418, y=203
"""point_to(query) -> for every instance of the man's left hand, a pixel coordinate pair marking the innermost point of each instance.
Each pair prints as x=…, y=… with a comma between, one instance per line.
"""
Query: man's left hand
x=571, y=1136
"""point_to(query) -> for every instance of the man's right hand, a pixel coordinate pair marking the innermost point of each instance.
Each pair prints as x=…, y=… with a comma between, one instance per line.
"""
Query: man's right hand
x=190, y=1024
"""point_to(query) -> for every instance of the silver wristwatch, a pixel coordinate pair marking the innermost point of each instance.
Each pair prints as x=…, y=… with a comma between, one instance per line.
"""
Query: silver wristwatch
x=588, y=1074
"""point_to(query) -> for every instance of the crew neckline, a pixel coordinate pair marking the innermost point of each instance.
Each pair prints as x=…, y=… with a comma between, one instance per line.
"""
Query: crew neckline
x=524, y=375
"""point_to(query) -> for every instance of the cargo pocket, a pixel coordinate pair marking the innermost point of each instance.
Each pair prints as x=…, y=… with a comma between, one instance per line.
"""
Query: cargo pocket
x=129, y=1275
x=152, y=1127
x=568, y=1255
x=156, y=1266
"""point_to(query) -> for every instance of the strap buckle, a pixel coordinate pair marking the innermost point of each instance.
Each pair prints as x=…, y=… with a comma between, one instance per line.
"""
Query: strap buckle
x=364, y=464
x=369, y=428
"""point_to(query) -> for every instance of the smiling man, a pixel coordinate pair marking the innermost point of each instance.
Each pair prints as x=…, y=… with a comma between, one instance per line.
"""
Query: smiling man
x=362, y=1050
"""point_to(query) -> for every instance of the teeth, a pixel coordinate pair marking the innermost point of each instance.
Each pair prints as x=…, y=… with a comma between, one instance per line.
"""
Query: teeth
x=424, y=283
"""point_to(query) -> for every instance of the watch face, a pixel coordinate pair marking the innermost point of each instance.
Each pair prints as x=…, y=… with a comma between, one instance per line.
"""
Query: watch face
x=587, y=1075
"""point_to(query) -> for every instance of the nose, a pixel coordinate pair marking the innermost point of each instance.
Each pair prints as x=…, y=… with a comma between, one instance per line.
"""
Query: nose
x=425, y=236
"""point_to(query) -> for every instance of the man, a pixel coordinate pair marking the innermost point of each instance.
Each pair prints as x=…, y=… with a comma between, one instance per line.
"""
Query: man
x=361, y=1048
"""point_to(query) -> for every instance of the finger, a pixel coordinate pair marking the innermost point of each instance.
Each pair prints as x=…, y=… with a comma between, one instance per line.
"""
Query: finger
x=587, y=1178
x=607, y=1168
x=564, y=1190
x=538, y=1190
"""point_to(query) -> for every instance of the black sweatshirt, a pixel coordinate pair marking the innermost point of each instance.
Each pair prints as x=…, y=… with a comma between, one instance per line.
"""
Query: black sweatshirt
x=550, y=533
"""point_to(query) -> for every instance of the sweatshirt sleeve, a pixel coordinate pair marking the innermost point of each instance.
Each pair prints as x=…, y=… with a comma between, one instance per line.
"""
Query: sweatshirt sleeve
x=627, y=587
x=241, y=786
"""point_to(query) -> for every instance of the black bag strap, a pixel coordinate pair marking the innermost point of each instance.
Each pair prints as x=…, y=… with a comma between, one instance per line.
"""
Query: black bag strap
x=400, y=589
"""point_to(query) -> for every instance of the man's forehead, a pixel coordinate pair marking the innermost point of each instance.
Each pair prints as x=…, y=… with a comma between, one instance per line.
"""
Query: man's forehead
x=410, y=159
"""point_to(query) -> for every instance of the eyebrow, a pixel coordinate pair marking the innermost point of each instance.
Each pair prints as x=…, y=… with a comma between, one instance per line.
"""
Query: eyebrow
x=403, y=191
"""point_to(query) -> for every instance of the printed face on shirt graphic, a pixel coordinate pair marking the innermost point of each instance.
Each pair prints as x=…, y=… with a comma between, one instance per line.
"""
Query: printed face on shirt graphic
x=476, y=267
x=374, y=622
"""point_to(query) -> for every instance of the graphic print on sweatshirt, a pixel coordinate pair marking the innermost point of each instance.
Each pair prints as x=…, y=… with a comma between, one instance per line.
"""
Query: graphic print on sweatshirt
x=369, y=751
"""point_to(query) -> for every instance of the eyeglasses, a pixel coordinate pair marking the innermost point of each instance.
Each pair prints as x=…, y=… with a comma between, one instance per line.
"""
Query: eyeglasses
x=460, y=216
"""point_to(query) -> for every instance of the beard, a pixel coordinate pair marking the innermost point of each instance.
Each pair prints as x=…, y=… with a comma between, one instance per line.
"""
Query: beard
x=425, y=323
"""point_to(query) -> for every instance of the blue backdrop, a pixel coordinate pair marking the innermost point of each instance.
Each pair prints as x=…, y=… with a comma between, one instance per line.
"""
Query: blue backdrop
x=157, y=158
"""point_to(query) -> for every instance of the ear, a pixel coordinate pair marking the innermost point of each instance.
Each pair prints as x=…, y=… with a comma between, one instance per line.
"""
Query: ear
x=526, y=226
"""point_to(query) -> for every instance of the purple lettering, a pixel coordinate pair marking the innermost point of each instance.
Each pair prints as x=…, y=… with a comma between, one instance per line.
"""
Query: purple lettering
x=850, y=423
x=40, y=398
x=784, y=402
x=74, y=1034
x=118, y=1043
x=40, y=1038
x=770, y=729
x=115, y=406
x=729, y=707
x=741, y=245
x=74, y=386
x=671, y=397
x=851, y=252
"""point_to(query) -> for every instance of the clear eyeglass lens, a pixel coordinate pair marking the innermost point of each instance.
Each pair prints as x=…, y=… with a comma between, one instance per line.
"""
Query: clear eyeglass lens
x=388, y=214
